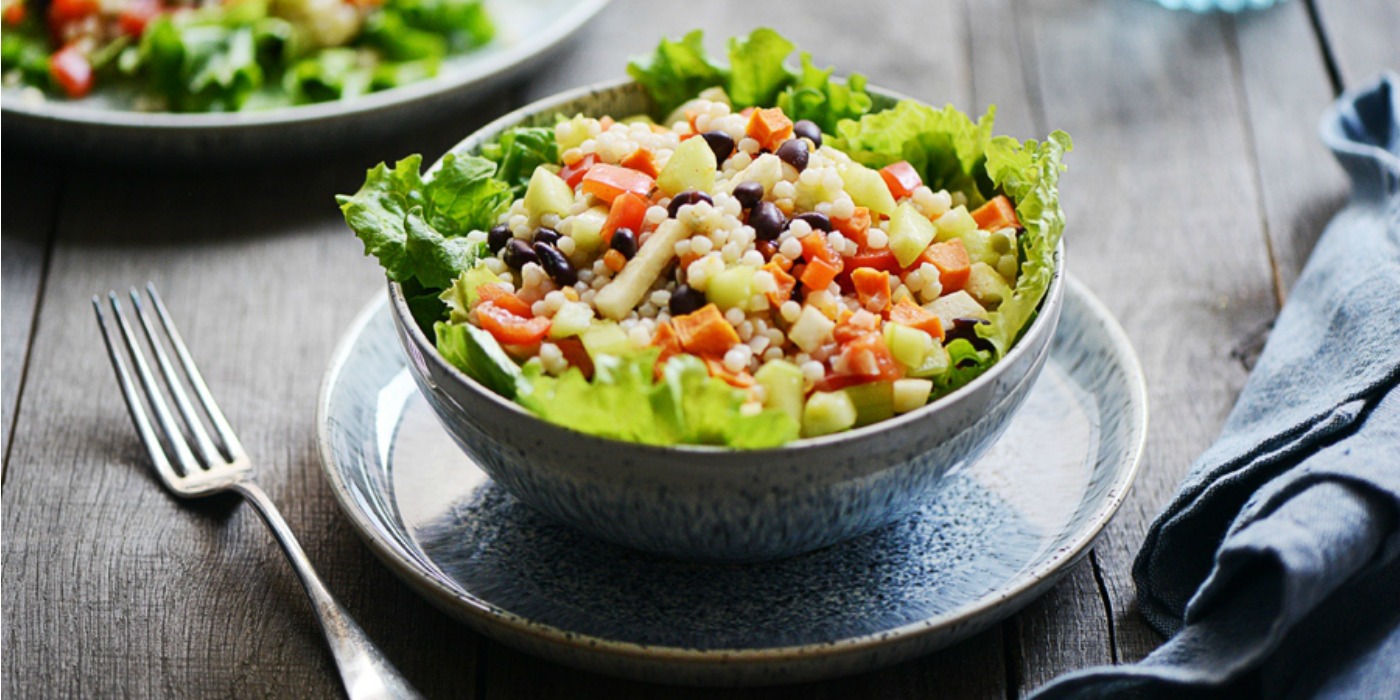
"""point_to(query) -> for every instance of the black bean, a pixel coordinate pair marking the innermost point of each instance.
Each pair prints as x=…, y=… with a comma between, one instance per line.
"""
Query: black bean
x=624, y=240
x=498, y=237
x=518, y=253
x=966, y=329
x=686, y=300
x=815, y=219
x=687, y=197
x=555, y=264
x=749, y=194
x=806, y=129
x=721, y=143
x=794, y=153
x=545, y=234
x=767, y=221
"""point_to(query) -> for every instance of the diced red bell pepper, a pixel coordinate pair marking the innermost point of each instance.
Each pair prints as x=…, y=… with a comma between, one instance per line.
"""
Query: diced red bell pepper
x=137, y=14
x=62, y=12
x=607, y=182
x=500, y=296
x=508, y=328
x=14, y=14
x=629, y=210
x=901, y=178
x=573, y=174
x=70, y=68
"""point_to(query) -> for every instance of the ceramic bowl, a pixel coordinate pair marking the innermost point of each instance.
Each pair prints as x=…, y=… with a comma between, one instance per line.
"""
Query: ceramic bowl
x=701, y=502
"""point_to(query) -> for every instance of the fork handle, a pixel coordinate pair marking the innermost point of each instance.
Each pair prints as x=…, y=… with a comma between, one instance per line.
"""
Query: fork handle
x=364, y=670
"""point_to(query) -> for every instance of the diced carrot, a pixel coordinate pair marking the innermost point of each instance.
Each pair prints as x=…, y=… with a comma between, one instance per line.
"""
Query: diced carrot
x=705, y=332
x=508, y=328
x=907, y=313
x=500, y=296
x=687, y=259
x=819, y=274
x=629, y=210
x=996, y=214
x=573, y=173
x=901, y=178
x=14, y=14
x=855, y=227
x=741, y=379
x=575, y=354
x=872, y=287
x=815, y=247
x=769, y=127
x=784, y=262
x=615, y=260
x=951, y=259
x=640, y=160
x=607, y=182
x=690, y=116
x=785, y=284
x=667, y=340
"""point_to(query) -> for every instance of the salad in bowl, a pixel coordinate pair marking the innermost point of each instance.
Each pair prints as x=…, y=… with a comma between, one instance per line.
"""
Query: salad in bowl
x=765, y=255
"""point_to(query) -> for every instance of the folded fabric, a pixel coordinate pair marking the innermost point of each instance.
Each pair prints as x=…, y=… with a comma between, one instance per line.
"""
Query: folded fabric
x=1276, y=568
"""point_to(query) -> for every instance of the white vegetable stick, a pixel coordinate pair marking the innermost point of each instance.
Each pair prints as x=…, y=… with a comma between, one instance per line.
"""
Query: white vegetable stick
x=627, y=289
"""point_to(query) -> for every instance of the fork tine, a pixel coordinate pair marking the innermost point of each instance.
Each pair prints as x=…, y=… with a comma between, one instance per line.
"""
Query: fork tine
x=206, y=399
x=183, y=457
x=206, y=447
x=133, y=402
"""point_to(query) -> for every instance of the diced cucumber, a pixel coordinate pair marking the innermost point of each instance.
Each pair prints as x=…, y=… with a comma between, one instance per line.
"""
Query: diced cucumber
x=827, y=412
x=587, y=230
x=766, y=170
x=811, y=329
x=578, y=133
x=691, y=167
x=867, y=188
x=910, y=233
x=908, y=345
x=637, y=119
x=935, y=363
x=910, y=394
x=783, y=382
x=980, y=246
x=573, y=318
x=959, y=304
x=874, y=402
x=605, y=338
x=547, y=193
x=955, y=223
x=627, y=289
x=987, y=286
x=731, y=288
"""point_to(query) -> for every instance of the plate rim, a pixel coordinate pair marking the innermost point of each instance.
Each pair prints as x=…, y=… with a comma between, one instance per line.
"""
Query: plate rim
x=533, y=46
x=488, y=618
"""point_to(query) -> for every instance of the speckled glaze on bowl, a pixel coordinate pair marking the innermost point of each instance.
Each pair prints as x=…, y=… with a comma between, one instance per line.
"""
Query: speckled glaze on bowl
x=715, y=504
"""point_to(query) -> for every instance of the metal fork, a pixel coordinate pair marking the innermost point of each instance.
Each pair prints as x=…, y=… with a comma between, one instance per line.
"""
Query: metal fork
x=365, y=671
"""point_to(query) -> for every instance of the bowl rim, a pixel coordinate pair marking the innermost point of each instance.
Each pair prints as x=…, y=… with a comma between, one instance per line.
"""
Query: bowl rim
x=494, y=621
x=1053, y=297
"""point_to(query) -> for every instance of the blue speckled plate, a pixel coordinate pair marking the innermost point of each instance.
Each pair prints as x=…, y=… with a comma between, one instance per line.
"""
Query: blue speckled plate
x=1001, y=533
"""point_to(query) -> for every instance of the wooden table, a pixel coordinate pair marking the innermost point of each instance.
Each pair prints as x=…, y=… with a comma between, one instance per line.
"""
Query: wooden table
x=1196, y=190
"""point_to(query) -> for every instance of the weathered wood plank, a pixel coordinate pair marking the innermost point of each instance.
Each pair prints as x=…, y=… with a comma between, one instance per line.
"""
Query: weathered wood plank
x=29, y=207
x=1164, y=218
x=111, y=587
x=1363, y=35
x=1285, y=87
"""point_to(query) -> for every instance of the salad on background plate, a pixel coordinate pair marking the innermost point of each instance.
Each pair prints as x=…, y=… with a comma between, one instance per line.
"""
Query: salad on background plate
x=231, y=55
x=770, y=254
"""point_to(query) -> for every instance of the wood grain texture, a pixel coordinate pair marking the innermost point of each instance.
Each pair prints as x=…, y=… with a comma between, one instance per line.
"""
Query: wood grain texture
x=1162, y=202
x=1363, y=35
x=28, y=210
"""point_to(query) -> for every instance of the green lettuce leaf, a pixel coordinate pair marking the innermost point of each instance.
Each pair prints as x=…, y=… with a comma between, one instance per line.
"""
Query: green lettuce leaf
x=1029, y=173
x=816, y=97
x=464, y=23
x=756, y=70
x=201, y=65
x=519, y=151
x=624, y=401
x=463, y=195
x=475, y=352
x=676, y=71
x=945, y=146
x=436, y=259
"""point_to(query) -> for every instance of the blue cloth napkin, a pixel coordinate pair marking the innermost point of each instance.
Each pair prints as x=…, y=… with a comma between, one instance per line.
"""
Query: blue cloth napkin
x=1276, y=569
